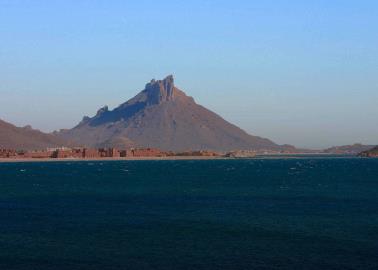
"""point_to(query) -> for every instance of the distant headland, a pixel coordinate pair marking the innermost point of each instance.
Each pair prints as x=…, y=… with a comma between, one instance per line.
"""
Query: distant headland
x=370, y=153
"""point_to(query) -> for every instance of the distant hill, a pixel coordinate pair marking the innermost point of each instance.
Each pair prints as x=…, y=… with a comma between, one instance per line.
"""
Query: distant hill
x=164, y=117
x=349, y=149
x=26, y=138
x=370, y=153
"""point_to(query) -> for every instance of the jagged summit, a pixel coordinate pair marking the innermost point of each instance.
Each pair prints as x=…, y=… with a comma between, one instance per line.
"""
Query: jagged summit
x=163, y=116
x=103, y=110
x=160, y=90
x=155, y=93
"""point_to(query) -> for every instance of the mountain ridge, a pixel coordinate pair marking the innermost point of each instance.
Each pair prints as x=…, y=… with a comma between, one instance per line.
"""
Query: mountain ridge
x=348, y=149
x=26, y=138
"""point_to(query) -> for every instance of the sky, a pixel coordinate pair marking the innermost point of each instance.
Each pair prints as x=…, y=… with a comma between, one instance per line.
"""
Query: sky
x=297, y=72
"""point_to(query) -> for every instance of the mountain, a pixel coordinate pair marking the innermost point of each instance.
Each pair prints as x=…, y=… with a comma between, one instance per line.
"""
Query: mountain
x=26, y=138
x=164, y=117
x=348, y=149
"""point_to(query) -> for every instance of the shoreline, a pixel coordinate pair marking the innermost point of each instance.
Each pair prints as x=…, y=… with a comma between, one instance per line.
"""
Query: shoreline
x=15, y=160
x=278, y=156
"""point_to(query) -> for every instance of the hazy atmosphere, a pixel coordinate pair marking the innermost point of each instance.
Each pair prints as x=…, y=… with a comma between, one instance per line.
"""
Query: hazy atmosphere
x=297, y=72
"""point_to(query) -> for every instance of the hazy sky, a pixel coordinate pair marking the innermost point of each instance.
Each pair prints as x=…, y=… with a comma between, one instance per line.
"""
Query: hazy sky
x=298, y=72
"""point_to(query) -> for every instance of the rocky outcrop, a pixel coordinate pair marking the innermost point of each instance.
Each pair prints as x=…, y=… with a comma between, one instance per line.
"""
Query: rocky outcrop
x=162, y=116
x=161, y=90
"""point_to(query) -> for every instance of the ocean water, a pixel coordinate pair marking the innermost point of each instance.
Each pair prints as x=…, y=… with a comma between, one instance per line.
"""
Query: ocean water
x=307, y=213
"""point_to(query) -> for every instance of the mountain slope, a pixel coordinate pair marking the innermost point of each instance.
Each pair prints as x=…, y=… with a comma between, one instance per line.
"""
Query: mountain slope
x=26, y=138
x=165, y=117
x=348, y=149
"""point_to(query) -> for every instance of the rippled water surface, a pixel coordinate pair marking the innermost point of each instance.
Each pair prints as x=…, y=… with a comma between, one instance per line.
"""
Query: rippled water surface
x=307, y=213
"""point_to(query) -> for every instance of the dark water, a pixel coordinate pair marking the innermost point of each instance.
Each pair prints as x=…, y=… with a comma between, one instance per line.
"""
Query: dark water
x=313, y=213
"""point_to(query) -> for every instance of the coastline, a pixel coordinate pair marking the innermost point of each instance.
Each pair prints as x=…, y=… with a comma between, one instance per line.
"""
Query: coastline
x=269, y=156
x=15, y=160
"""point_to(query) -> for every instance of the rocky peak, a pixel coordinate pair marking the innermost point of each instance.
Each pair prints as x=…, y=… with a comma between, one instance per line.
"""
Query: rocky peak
x=102, y=110
x=85, y=120
x=28, y=127
x=160, y=90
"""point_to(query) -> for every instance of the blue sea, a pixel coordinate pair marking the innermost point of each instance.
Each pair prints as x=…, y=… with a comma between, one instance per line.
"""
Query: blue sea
x=288, y=213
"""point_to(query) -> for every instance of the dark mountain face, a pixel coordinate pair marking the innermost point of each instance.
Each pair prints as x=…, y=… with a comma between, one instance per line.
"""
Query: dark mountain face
x=155, y=93
x=162, y=116
x=26, y=138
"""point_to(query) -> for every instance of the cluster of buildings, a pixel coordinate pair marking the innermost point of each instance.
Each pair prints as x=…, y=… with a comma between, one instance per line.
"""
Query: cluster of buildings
x=85, y=153
x=201, y=153
x=91, y=153
x=6, y=153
